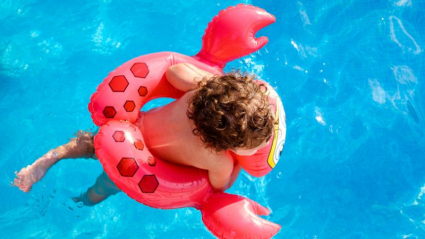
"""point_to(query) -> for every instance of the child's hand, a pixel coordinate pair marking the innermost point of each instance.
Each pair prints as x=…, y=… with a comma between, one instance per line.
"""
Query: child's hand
x=185, y=76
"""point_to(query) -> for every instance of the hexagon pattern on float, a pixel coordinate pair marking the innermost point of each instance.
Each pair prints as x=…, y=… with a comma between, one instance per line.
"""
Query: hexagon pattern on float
x=148, y=184
x=118, y=84
x=109, y=112
x=140, y=70
x=119, y=136
x=129, y=106
x=139, y=144
x=151, y=161
x=127, y=167
x=143, y=91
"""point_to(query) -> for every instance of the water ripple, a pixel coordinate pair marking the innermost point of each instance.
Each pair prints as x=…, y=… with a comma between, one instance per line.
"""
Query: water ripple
x=397, y=31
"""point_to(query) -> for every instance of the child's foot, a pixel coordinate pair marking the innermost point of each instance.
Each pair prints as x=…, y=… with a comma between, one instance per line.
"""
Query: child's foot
x=34, y=172
x=89, y=198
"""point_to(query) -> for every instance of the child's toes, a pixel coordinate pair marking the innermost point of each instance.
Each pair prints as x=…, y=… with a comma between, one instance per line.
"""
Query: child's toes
x=17, y=182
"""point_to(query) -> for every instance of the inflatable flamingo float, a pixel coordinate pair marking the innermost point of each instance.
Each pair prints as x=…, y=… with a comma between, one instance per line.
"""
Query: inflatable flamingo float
x=120, y=146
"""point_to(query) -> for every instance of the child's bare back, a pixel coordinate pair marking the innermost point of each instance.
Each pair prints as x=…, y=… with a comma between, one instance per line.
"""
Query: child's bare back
x=171, y=139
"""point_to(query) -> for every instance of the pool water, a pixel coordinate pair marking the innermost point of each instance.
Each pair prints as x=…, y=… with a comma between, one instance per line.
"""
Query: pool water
x=350, y=74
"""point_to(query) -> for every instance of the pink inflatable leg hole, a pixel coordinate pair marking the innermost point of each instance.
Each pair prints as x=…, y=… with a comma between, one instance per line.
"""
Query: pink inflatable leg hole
x=140, y=70
x=109, y=112
x=139, y=144
x=118, y=84
x=119, y=136
x=127, y=167
x=129, y=106
x=143, y=91
x=148, y=184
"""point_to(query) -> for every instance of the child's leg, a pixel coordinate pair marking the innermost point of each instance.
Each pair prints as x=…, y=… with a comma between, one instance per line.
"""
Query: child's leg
x=78, y=147
x=102, y=189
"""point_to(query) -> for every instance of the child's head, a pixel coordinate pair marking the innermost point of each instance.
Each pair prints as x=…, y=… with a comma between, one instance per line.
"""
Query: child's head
x=231, y=112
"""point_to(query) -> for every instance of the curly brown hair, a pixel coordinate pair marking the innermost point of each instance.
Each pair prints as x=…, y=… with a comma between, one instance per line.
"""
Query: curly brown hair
x=231, y=111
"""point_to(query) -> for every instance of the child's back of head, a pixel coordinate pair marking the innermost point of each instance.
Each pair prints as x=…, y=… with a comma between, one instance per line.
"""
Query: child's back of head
x=231, y=111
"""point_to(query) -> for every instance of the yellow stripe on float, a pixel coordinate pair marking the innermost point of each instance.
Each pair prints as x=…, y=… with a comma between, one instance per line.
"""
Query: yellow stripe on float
x=270, y=159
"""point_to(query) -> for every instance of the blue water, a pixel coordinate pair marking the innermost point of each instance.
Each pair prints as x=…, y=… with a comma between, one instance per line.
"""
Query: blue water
x=350, y=74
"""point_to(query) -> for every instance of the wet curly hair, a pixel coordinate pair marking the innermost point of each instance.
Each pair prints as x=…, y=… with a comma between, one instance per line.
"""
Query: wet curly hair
x=231, y=111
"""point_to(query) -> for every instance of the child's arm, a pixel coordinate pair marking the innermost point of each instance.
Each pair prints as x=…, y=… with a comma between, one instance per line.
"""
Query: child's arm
x=185, y=76
x=79, y=147
x=236, y=170
x=224, y=177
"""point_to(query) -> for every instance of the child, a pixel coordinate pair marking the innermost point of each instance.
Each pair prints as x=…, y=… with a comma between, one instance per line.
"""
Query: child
x=216, y=115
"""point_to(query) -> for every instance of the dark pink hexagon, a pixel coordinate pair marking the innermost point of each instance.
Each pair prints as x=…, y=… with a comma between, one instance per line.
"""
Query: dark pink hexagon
x=119, y=136
x=139, y=144
x=148, y=184
x=143, y=91
x=140, y=70
x=151, y=161
x=109, y=112
x=118, y=84
x=127, y=167
x=129, y=105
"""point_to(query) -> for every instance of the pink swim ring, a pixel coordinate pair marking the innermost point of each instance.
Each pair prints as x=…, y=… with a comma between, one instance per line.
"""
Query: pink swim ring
x=120, y=147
